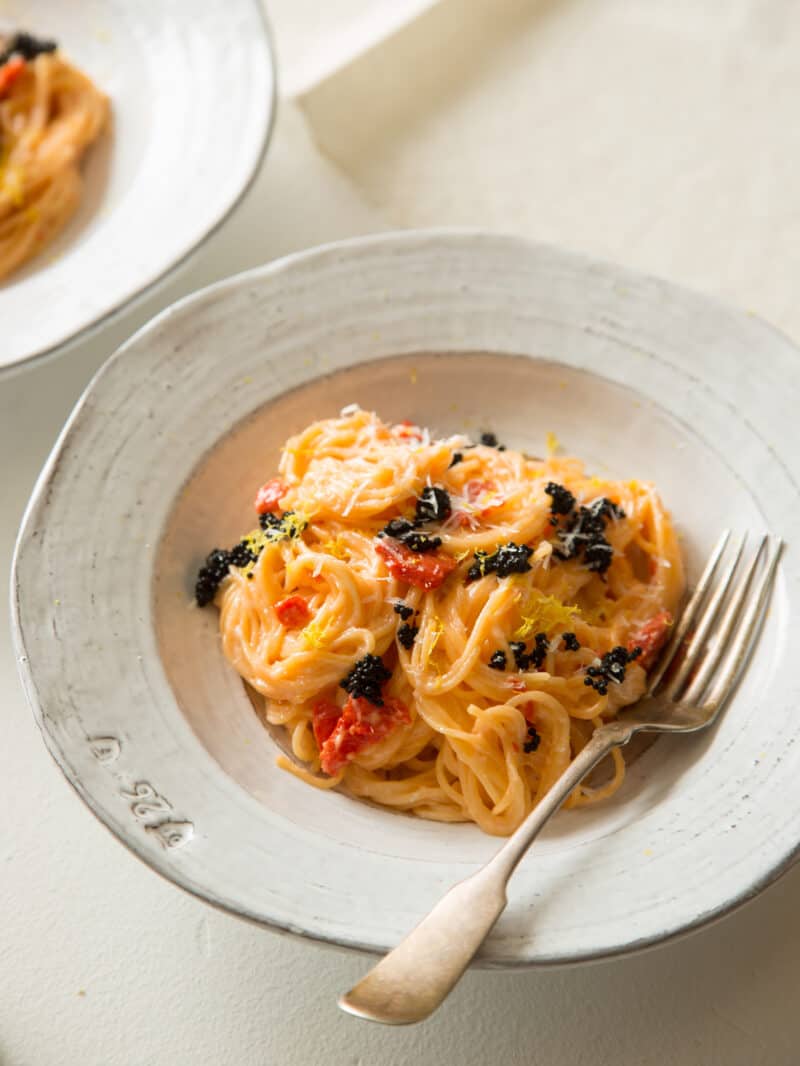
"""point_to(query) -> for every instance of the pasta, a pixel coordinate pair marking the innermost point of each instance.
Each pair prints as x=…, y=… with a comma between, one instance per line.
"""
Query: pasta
x=439, y=626
x=49, y=115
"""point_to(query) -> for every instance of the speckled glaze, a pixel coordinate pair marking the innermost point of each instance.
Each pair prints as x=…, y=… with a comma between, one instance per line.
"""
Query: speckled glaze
x=192, y=89
x=458, y=330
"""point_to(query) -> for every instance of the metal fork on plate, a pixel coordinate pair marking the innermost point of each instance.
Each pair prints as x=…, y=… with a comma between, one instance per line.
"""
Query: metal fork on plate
x=715, y=634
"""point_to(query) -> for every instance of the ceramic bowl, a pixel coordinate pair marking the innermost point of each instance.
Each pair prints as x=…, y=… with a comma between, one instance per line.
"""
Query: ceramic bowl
x=192, y=90
x=457, y=331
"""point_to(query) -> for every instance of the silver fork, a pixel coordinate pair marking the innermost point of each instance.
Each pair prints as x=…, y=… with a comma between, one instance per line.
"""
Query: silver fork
x=716, y=632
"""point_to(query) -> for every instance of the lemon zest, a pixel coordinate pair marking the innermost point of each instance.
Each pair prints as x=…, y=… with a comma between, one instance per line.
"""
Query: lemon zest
x=438, y=629
x=337, y=548
x=543, y=614
x=315, y=634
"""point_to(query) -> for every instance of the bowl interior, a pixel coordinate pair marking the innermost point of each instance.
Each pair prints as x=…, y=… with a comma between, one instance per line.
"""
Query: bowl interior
x=614, y=429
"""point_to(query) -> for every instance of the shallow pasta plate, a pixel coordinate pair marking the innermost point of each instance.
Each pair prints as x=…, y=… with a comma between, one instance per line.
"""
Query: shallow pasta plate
x=192, y=90
x=456, y=331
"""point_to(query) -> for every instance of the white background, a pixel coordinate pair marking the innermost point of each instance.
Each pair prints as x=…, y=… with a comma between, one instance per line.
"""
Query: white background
x=101, y=963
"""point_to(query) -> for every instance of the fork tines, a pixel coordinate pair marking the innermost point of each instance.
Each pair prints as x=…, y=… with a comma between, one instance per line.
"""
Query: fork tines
x=718, y=626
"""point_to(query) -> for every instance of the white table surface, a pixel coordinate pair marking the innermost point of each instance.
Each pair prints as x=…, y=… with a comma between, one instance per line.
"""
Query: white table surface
x=103, y=964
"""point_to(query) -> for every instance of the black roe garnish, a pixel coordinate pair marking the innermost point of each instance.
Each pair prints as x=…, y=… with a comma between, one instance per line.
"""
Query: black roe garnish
x=570, y=642
x=525, y=659
x=404, y=530
x=403, y=610
x=215, y=569
x=533, y=741
x=421, y=542
x=508, y=559
x=398, y=528
x=489, y=440
x=539, y=651
x=611, y=668
x=433, y=505
x=561, y=499
x=281, y=527
x=498, y=660
x=519, y=651
x=27, y=46
x=584, y=533
x=366, y=679
x=458, y=457
x=407, y=634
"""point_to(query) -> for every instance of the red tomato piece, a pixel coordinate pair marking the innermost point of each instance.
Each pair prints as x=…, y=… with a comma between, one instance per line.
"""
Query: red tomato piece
x=650, y=637
x=408, y=430
x=269, y=495
x=325, y=715
x=10, y=71
x=293, y=612
x=424, y=571
x=517, y=684
x=360, y=725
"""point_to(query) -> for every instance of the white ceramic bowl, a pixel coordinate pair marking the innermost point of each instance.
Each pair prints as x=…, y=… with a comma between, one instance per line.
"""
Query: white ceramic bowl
x=192, y=89
x=158, y=463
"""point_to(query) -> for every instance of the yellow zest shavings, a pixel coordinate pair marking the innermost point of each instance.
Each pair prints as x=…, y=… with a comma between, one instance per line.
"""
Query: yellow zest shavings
x=633, y=485
x=462, y=555
x=294, y=522
x=543, y=614
x=414, y=376
x=315, y=634
x=257, y=540
x=337, y=548
x=552, y=443
x=438, y=629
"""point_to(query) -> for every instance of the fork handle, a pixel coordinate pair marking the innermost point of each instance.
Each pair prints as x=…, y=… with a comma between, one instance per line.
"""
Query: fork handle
x=414, y=978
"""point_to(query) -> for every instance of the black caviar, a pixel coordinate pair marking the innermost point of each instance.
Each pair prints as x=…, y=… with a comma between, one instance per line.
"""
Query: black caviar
x=508, y=559
x=403, y=610
x=215, y=569
x=519, y=651
x=27, y=46
x=611, y=668
x=525, y=659
x=533, y=741
x=498, y=660
x=458, y=457
x=282, y=527
x=583, y=532
x=561, y=499
x=366, y=679
x=570, y=642
x=433, y=505
x=407, y=634
x=403, y=530
x=489, y=440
